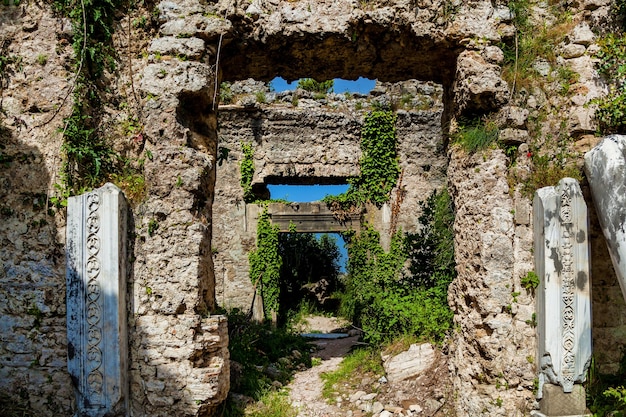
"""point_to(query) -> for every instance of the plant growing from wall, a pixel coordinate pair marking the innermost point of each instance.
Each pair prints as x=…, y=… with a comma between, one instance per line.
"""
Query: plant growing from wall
x=265, y=264
x=379, y=164
x=611, y=112
x=477, y=134
x=246, y=170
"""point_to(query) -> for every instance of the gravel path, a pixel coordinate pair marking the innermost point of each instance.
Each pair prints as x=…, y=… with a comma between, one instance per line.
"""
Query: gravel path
x=305, y=391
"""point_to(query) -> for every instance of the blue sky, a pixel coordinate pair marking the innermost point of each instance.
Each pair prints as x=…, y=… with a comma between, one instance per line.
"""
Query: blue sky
x=361, y=85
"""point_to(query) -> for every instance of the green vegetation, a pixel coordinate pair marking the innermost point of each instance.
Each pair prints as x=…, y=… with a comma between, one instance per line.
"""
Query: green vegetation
x=477, y=134
x=264, y=355
x=246, y=169
x=265, y=265
x=305, y=260
x=379, y=165
x=309, y=84
x=226, y=94
x=360, y=362
x=606, y=393
x=611, y=112
x=530, y=281
x=388, y=304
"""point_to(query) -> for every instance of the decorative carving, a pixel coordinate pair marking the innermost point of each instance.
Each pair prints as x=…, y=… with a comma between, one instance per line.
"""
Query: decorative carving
x=568, y=360
x=94, y=311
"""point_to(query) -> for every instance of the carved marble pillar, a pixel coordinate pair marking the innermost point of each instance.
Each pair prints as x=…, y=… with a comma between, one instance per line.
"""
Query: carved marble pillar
x=96, y=301
x=561, y=251
x=605, y=166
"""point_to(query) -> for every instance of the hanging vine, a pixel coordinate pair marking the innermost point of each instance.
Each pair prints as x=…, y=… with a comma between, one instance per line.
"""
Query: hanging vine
x=246, y=169
x=379, y=165
x=88, y=155
x=265, y=264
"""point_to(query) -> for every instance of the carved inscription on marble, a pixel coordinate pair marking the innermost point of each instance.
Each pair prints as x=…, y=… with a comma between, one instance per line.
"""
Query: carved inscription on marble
x=567, y=282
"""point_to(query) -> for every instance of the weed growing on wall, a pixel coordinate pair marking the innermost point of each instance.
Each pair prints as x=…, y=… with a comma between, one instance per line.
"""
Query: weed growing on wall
x=606, y=393
x=379, y=164
x=477, y=134
x=265, y=264
x=611, y=112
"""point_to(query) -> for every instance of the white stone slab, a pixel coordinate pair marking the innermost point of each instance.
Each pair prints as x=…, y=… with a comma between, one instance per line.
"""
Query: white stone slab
x=561, y=251
x=605, y=166
x=96, y=301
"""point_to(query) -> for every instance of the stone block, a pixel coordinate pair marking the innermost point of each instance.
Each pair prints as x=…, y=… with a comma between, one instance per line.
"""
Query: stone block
x=96, y=300
x=556, y=403
x=561, y=251
x=605, y=166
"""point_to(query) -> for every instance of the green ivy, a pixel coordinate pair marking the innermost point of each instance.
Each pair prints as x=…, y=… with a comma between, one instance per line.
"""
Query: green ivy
x=265, y=264
x=379, y=164
x=246, y=169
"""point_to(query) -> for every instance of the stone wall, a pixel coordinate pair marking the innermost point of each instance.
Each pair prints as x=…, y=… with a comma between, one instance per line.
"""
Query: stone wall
x=315, y=141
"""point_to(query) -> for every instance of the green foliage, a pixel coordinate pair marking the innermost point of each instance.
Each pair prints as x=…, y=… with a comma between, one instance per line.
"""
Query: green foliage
x=379, y=164
x=477, y=134
x=387, y=304
x=153, y=225
x=257, y=346
x=611, y=112
x=260, y=97
x=265, y=264
x=606, y=393
x=530, y=281
x=358, y=362
x=89, y=157
x=246, y=169
x=222, y=155
x=309, y=84
x=548, y=170
x=226, y=94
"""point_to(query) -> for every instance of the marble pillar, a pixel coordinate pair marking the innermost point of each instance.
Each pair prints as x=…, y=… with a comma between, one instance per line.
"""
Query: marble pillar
x=561, y=250
x=96, y=301
x=605, y=166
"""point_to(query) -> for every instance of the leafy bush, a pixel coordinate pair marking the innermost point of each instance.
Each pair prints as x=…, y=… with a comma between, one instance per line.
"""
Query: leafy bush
x=306, y=259
x=309, y=84
x=386, y=303
x=606, y=393
x=246, y=170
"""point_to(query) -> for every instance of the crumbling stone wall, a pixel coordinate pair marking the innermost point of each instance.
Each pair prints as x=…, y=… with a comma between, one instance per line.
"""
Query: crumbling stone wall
x=179, y=361
x=315, y=141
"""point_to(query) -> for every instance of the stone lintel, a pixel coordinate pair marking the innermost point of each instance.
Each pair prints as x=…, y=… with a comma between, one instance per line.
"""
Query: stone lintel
x=561, y=252
x=310, y=218
x=96, y=301
x=605, y=166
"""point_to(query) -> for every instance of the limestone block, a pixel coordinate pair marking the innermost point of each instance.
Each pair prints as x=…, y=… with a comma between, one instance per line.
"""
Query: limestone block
x=409, y=364
x=96, y=300
x=605, y=166
x=557, y=403
x=169, y=45
x=478, y=84
x=561, y=251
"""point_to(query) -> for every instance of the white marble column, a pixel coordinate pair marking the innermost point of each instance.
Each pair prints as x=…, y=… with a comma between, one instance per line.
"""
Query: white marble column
x=96, y=301
x=561, y=251
x=605, y=166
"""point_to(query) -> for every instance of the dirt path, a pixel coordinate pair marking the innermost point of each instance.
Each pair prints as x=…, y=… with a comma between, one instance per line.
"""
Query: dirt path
x=305, y=391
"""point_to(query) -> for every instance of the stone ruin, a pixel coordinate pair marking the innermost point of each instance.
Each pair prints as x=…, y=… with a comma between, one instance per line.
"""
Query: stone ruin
x=177, y=348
